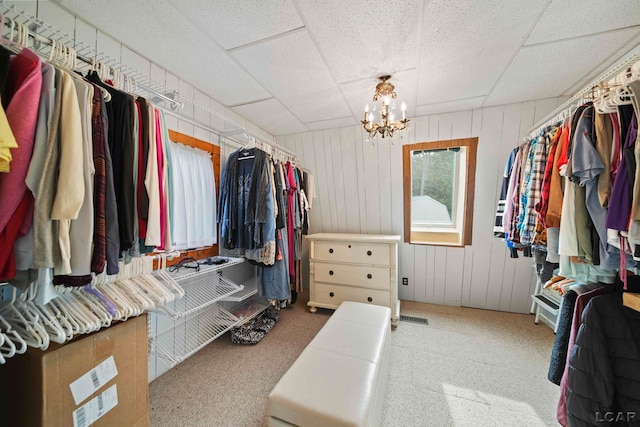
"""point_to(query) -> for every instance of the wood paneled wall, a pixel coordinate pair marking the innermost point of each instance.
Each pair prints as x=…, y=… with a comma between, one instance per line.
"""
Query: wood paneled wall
x=359, y=190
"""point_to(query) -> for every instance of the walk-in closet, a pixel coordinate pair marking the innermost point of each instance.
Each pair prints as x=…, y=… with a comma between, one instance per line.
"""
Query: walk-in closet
x=250, y=213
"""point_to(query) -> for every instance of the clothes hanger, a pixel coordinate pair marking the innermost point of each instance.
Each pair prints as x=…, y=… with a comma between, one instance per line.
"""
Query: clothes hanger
x=125, y=306
x=8, y=347
x=23, y=322
x=11, y=338
x=165, y=278
x=94, y=306
x=101, y=299
x=48, y=320
x=5, y=346
x=85, y=319
x=170, y=287
x=63, y=321
x=71, y=327
x=156, y=293
x=8, y=42
x=141, y=301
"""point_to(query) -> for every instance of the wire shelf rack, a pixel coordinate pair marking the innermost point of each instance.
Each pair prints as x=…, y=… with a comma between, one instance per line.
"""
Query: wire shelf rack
x=249, y=309
x=200, y=292
x=191, y=334
x=185, y=274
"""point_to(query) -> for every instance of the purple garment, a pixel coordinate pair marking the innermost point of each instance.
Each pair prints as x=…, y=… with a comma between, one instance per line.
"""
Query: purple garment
x=620, y=205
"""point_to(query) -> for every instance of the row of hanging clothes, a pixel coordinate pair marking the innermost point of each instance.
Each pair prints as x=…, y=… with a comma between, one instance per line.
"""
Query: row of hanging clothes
x=570, y=198
x=89, y=182
x=263, y=212
x=88, y=174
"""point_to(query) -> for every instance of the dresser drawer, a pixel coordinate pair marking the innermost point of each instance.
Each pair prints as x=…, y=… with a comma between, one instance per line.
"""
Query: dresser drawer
x=365, y=253
x=335, y=294
x=367, y=276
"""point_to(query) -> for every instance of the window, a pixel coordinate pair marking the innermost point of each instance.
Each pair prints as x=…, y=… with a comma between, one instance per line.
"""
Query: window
x=439, y=180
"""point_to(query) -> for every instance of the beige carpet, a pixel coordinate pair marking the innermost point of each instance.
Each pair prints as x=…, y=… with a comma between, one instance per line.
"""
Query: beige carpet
x=465, y=368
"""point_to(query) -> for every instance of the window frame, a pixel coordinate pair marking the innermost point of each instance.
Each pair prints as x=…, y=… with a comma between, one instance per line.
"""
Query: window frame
x=441, y=237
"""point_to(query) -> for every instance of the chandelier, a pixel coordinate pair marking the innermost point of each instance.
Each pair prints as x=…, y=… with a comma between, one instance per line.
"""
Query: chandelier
x=387, y=126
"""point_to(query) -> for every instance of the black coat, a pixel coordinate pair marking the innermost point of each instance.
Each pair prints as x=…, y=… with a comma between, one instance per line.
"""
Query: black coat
x=604, y=372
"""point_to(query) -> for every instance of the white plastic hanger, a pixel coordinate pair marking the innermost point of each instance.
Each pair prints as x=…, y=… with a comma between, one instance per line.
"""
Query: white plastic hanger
x=92, y=304
x=72, y=327
x=86, y=321
x=13, y=342
x=62, y=320
x=48, y=320
x=23, y=321
x=10, y=348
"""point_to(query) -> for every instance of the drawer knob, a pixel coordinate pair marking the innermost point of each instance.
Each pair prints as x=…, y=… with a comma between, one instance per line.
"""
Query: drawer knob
x=369, y=299
x=331, y=294
x=330, y=272
x=330, y=250
x=369, y=253
x=369, y=276
x=349, y=246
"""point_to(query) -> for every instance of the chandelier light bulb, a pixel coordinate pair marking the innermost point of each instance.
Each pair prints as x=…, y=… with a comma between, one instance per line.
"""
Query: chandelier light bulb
x=366, y=108
x=403, y=106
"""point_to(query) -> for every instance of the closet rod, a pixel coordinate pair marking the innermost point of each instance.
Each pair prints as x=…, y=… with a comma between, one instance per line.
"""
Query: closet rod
x=612, y=72
x=84, y=52
x=49, y=41
x=272, y=149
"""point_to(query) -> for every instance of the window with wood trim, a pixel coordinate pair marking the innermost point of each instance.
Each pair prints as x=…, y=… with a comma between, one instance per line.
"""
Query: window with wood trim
x=439, y=185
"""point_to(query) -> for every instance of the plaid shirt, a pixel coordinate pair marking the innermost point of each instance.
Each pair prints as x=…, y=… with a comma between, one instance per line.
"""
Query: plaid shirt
x=532, y=182
x=514, y=231
x=543, y=203
x=100, y=186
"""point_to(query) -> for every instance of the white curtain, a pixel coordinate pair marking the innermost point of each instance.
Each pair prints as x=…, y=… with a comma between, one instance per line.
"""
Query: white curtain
x=193, y=210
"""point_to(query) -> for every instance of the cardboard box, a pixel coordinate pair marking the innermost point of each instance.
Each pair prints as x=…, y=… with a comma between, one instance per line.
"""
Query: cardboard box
x=37, y=384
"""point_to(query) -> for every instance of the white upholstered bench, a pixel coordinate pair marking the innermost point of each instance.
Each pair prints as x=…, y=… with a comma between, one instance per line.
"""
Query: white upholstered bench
x=339, y=379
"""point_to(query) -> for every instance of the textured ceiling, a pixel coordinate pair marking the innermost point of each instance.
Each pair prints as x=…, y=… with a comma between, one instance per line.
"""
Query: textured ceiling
x=296, y=65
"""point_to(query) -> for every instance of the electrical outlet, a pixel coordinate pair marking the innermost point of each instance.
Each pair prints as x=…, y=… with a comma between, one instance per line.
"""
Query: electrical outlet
x=405, y=281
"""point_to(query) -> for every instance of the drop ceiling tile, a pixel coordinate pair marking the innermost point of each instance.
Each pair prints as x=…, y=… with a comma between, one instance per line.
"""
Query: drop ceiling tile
x=448, y=107
x=231, y=85
x=574, y=18
x=631, y=48
x=467, y=45
x=545, y=71
x=360, y=93
x=293, y=70
x=332, y=124
x=271, y=116
x=237, y=23
x=365, y=38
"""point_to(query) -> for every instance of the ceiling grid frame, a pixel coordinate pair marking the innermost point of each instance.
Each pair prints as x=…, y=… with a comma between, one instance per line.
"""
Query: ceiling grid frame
x=478, y=69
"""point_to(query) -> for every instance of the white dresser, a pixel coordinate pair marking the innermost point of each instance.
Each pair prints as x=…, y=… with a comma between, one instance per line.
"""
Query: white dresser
x=353, y=267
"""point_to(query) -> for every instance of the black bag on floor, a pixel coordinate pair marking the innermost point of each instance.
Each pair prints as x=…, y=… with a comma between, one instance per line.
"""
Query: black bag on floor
x=256, y=329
